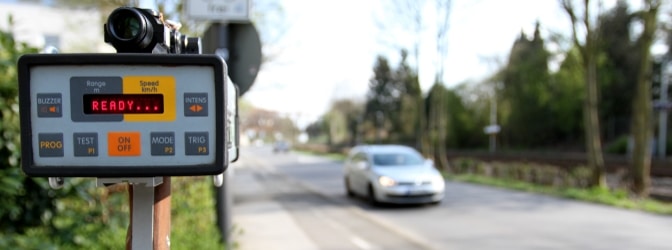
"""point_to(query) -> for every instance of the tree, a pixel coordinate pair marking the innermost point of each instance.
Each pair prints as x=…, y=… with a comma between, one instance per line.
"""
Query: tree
x=406, y=15
x=394, y=103
x=526, y=92
x=32, y=215
x=409, y=17
x=23, y=201
x=442, y=16
x=589, y=51
x=343, y=120
x=568, y=93
x=619, y=64
x=436, y=105
x=410, y=119
x=642, y=127
x=382, y=103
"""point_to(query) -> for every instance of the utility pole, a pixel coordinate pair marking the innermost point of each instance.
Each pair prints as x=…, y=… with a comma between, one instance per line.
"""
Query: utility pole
x=664, y=106
x=493, y=129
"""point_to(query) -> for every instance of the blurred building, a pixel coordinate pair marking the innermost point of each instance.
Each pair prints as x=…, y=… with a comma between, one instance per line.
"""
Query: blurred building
x=71, y=30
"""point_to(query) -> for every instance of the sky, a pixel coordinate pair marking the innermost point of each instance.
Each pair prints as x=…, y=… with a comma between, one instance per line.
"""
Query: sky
x=330, y=49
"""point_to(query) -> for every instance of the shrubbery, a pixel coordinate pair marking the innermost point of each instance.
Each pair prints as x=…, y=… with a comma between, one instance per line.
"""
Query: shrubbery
x=32, y=215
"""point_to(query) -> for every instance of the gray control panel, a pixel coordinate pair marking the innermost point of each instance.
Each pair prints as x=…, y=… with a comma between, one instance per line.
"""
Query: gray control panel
x=123, y=115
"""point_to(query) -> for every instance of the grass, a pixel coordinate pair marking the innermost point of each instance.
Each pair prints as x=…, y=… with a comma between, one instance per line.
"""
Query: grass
x=194, y=222
x=332, y=156
x=98, y=219
x=615, y=198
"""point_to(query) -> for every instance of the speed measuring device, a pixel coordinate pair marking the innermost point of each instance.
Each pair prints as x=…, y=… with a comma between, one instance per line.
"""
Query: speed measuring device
x=123, y=115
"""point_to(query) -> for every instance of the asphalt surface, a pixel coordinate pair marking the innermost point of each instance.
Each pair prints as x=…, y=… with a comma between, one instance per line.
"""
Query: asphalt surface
x=307, y=194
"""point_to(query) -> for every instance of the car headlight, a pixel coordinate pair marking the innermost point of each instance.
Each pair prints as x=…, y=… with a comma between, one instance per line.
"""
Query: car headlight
x=386, y=181
x=437, y=179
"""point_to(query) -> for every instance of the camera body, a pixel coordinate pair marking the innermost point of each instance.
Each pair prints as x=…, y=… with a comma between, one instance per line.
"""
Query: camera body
x=156, y=108
x=136, y=30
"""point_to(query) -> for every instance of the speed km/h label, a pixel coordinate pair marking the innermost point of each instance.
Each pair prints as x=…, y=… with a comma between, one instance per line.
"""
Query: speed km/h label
x=152, y=85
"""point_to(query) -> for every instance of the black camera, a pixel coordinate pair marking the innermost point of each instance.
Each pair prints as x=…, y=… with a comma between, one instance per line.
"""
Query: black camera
x=135, y=30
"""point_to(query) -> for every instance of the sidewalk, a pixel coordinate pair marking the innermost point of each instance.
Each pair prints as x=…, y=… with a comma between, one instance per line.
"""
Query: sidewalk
x=260, y=222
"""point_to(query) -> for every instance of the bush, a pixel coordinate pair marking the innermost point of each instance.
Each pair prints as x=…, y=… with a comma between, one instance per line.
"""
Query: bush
x=618, y=146
x=33, y=216
x=24, y=202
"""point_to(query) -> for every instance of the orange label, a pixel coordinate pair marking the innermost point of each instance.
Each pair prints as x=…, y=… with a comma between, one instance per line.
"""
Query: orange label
x=123, y=143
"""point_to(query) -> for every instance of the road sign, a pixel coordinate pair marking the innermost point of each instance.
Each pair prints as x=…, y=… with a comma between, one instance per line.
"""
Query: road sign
x=492, y=129
x=218, y=10
x=131, y=115
x=240, y=46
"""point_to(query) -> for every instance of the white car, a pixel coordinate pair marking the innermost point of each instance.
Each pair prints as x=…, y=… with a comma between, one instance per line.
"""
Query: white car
x=392, y=174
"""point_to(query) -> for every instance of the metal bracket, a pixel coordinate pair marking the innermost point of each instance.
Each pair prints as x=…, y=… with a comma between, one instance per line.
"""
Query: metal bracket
x=142, y=224
x=56, y=182
x=218, y=180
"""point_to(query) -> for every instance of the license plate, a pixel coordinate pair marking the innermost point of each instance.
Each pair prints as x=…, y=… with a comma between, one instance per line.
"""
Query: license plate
x=415, y=191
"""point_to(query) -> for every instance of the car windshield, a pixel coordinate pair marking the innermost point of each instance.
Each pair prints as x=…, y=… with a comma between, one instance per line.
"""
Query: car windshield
x=396, y=159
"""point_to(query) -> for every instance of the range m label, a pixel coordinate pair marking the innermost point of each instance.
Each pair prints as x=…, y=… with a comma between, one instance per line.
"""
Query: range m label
x=83, y=85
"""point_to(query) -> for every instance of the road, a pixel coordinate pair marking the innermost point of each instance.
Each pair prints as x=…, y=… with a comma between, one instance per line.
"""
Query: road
x=309, y=189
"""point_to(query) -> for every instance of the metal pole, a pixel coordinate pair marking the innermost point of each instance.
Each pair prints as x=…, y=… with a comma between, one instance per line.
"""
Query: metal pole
x=662, y=116
x=142, y=217
x=379, y=125
x=223, y=199
x=493, y=120
x=150, y=211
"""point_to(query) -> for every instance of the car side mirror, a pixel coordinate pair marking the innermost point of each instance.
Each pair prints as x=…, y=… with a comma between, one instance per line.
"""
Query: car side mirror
x=362, y=165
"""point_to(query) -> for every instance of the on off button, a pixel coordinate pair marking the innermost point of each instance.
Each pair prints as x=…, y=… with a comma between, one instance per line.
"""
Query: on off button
x=123, y=143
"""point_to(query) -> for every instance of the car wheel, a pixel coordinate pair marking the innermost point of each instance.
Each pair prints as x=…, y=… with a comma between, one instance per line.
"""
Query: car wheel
x=435, y=203
x=371, y=196
x=348, y=189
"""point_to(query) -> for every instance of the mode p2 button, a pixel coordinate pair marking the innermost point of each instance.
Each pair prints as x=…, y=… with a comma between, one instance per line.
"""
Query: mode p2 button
x=123, y=144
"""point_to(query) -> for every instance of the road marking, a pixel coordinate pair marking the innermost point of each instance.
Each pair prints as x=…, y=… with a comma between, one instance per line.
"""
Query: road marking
x=305, y=159
x=359, y=242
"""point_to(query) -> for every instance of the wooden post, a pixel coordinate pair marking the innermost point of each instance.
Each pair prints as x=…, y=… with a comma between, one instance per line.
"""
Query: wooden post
x=161, y=231
x=162, y=215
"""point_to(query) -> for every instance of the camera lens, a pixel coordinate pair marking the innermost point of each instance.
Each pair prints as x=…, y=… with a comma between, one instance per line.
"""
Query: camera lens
x=127, y=24
x=126, y=27
x=130, y=30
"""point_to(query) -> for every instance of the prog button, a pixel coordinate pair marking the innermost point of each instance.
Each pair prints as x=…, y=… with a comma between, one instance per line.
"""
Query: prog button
x=50, y=144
